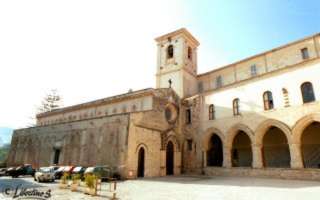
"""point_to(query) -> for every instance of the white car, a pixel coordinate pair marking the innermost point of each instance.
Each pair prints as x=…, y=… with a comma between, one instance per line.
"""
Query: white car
x=44, y=174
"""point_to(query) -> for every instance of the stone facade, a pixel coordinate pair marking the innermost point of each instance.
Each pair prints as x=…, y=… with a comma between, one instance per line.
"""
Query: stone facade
x=191, y=123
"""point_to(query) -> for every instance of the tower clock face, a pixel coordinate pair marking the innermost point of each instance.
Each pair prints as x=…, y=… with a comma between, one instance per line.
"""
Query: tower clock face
x=171, y=113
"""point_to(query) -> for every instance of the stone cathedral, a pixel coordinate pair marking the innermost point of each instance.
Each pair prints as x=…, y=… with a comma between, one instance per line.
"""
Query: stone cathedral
x=259, y=117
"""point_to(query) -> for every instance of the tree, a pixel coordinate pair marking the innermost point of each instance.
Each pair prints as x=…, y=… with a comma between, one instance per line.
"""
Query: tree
x=51, y=101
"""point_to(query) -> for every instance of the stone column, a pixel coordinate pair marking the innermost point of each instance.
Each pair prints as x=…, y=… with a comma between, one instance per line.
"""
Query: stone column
x=227, y=157
x=162, y=163
x=296, y=157
x=177, y=163
x=257, y=156
x=204, y=158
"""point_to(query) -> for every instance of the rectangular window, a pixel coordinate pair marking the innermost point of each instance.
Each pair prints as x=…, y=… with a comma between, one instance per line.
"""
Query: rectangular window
x=200, y=86
x=218, y=81
x=189, y=53
x=56, y=156
x=211, y=112
x=189, y=145
x=253, y=70
x=305, y=53
x=188, y=116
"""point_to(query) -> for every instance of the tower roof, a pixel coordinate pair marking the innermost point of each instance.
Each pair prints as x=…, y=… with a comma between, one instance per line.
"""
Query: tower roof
x=181, y=31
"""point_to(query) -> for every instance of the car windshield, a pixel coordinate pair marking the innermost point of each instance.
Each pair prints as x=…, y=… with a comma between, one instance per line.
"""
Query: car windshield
x=66, y=169
x=60, y=169
x=45, y=169
x=89, y=170
x=77, y=169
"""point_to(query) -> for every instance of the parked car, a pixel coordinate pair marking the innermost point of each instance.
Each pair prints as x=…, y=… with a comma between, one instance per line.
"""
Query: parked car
x=103, y=172
x=68, y=169
x=9, y=171
x=44, y=174
x=79, y=170
x=22, y=170
x=59, y=172
x=3, y=171
x=55, y=167
x=64, y=169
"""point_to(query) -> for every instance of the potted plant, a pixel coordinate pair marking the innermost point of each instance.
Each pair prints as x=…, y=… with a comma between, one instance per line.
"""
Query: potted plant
x=64, y=181
x=91, y=180
x=75, y=182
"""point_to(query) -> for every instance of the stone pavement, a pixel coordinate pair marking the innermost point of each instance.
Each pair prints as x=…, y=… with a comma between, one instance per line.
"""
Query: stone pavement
x=189, y=188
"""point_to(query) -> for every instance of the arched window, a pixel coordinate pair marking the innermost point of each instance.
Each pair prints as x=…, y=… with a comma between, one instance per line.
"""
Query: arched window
x=235, y=104
x=189, y=53
x=268, y=100
x=218, y=81
x=170, y=51
x=307, y=92
x=285, y=97
x=211, y=112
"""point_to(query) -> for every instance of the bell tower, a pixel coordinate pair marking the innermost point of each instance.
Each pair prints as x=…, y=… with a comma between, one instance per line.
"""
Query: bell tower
x=177, y=62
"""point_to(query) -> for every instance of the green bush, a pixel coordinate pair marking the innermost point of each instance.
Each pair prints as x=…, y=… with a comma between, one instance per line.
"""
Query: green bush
x=90, y=180
x=76, y=178
x=64, y=178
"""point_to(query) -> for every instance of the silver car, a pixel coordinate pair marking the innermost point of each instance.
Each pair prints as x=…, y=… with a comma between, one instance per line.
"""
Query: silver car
x=44, y=174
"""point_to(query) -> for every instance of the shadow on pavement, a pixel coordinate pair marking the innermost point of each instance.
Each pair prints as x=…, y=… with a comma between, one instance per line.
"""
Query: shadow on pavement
x=14, y=182
x=234, y=181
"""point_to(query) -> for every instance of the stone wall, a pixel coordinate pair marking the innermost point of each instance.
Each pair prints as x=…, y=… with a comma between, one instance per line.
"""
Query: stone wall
x=191, y=153
x=295, y=174
x=99, y=141
x=273, y=60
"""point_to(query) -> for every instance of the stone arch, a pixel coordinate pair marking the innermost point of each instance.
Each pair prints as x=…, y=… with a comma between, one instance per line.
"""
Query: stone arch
x=216, y=151
x=234, y=130
x=266, y=125
x=274, y=138
x=301, y=124
x=142, y=145
x=239, y=141
x=172, y=152
x=207, y=136
x=306, y=141
x=141, y=157
x=171, y=137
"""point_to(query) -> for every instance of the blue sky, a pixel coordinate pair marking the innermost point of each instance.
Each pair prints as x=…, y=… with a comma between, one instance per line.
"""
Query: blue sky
x=5, y=135
x=243, y=28
x=95, y=49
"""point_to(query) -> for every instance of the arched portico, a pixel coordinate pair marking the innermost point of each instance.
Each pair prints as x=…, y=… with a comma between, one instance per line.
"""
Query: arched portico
x=275, y=149
x=214, y=140
x=240, y=139
x=306, y=141
x=272, y=139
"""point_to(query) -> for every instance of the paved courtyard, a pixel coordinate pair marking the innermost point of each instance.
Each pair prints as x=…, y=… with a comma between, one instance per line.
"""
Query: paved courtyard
x=186, y=188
